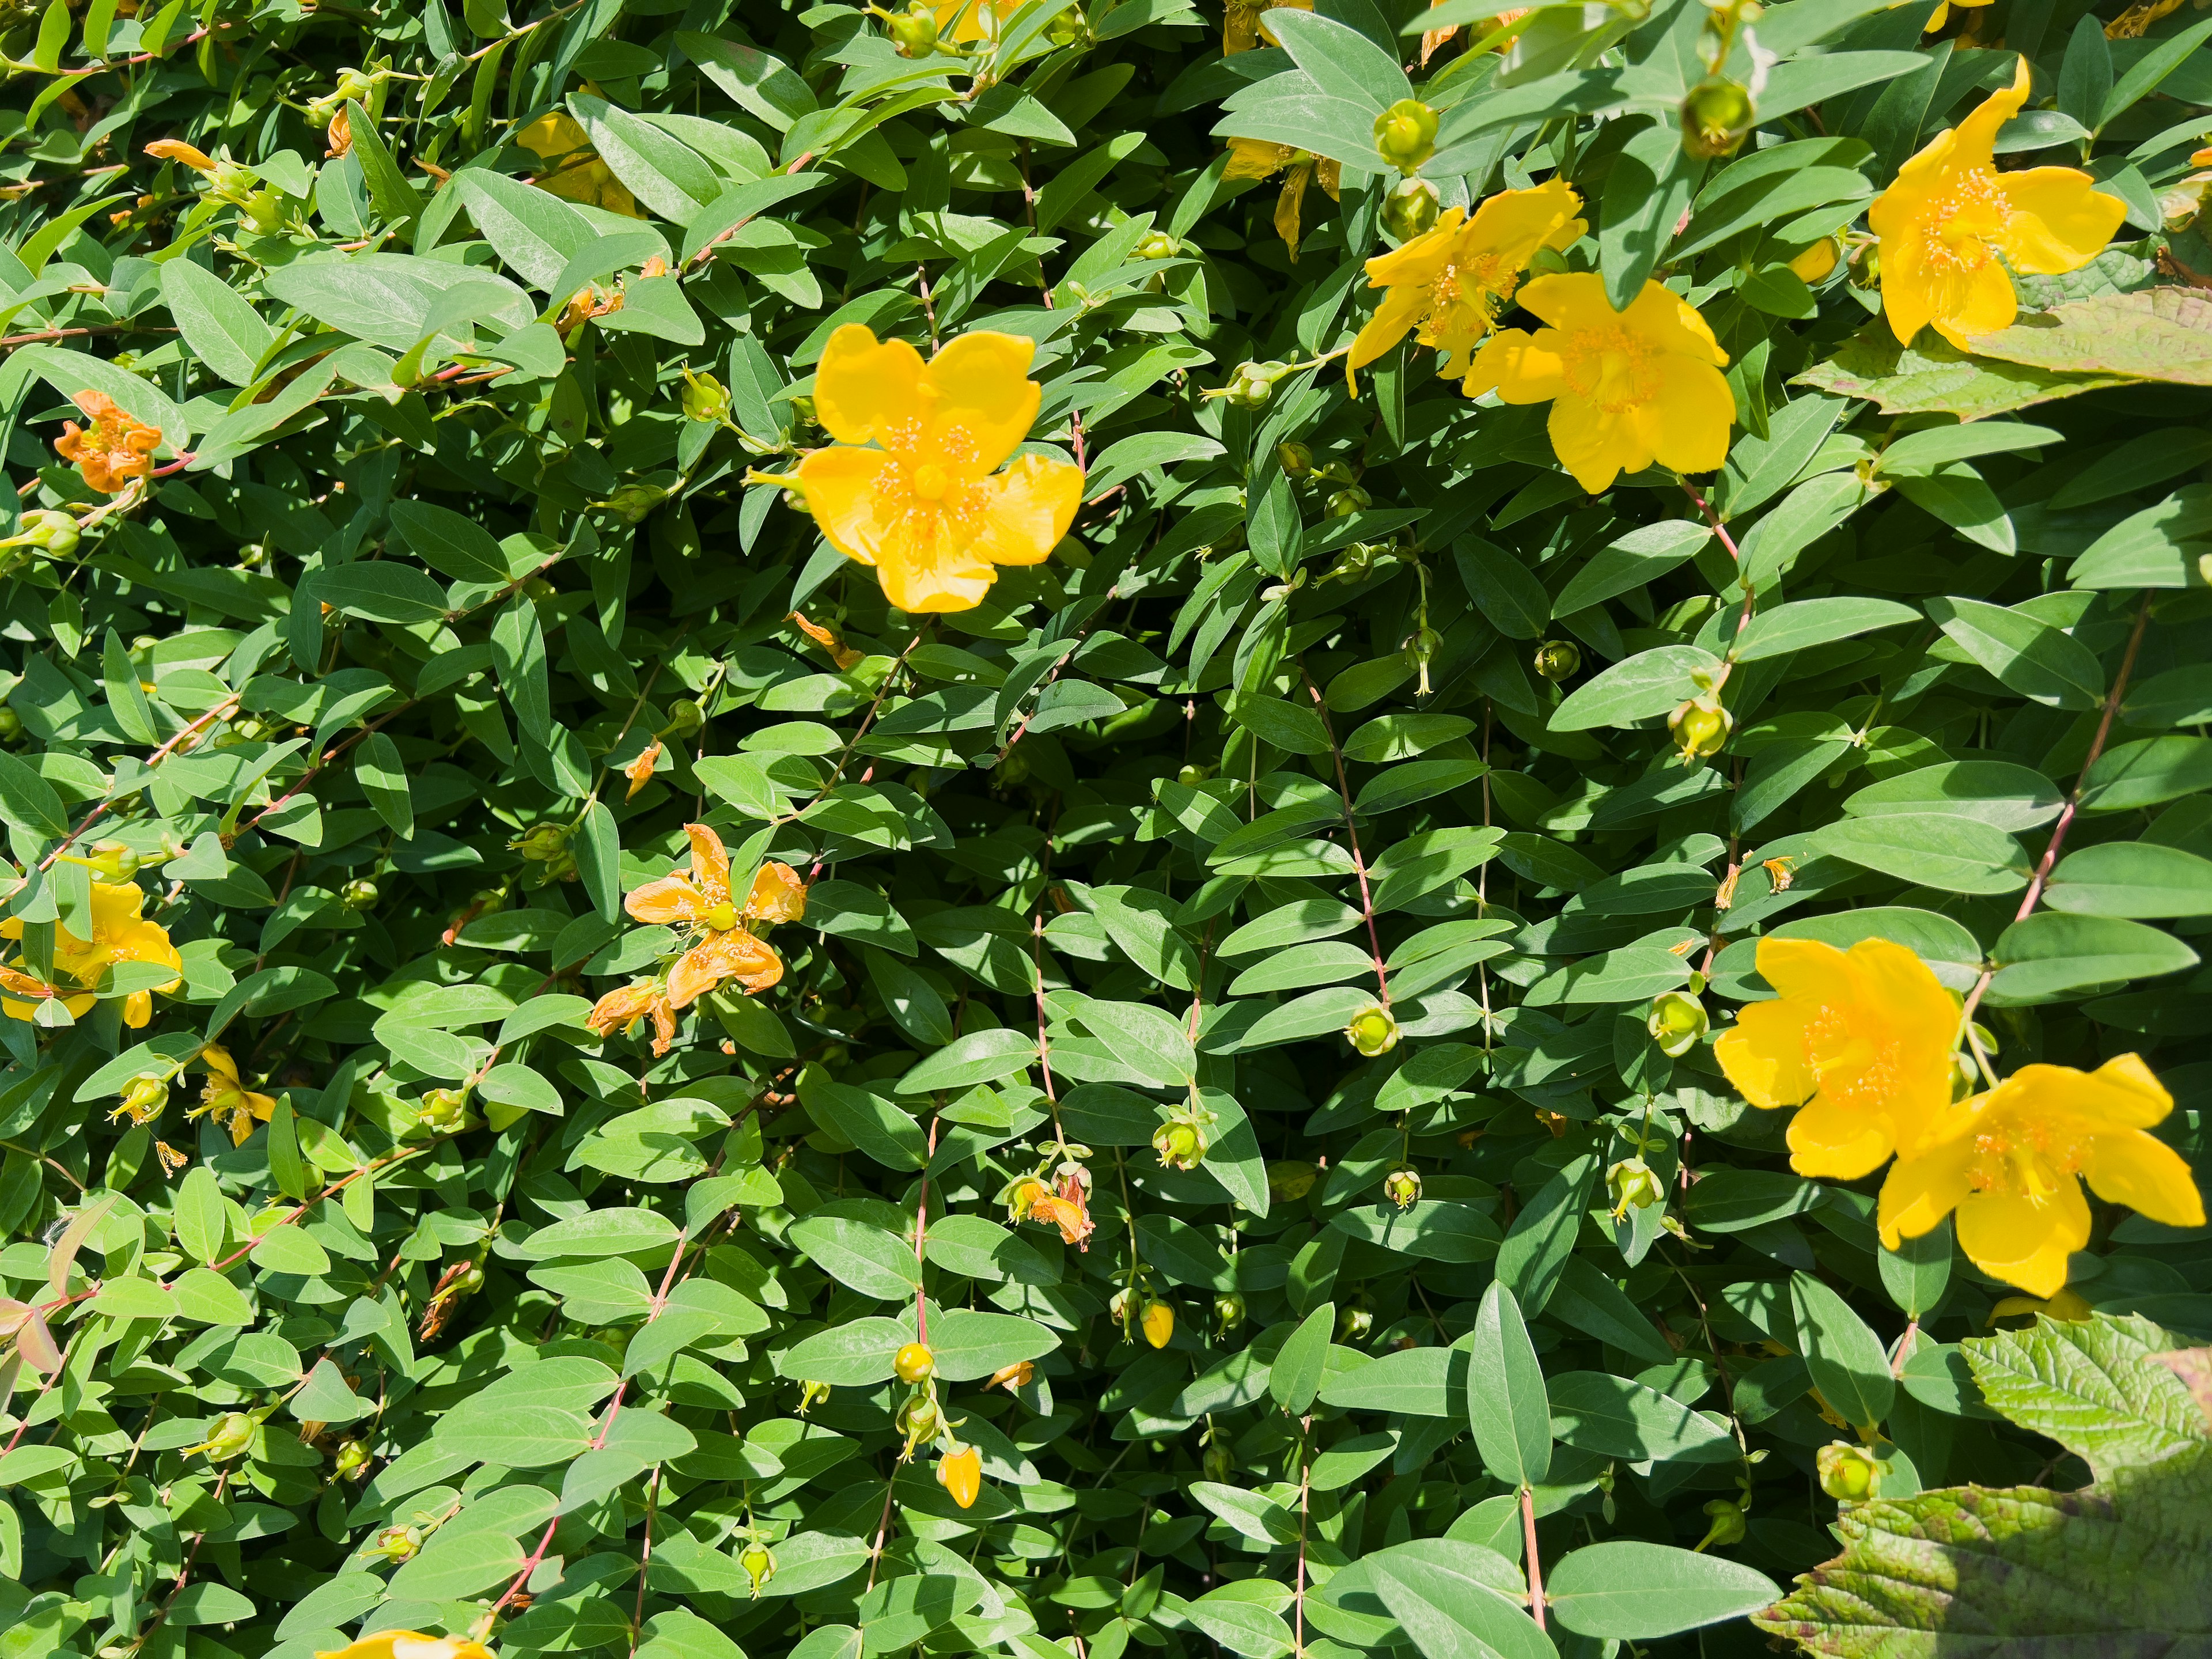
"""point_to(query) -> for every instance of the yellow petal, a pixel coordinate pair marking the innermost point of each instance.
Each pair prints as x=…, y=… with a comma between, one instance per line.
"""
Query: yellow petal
x=2142, y=1172
x=2059, y=222
x=1400, y=309
x=1569, y=301
x=710, y=863
x=1421, y=261
x=984, y=401
x=137, y=1008
x=1515, y=223
x=1673, y=325
x=1764, y=1055
x=1686, y=425
x=919, y=577
x=1028, y=508
x=1255, y=158
x=1520, y=367
x=2025, y=1241
x=1830, y=1141
x=665, y=902
x=1909, y=294
x=1919, y=1191
x=840, y=485
x=1595, y=444
x=867, y=391
x=1807, y=969
x=552, y=135
x=1976, y=140
x=1290, y=205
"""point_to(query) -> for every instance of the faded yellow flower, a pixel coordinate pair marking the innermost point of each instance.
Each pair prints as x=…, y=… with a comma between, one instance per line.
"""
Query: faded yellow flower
x=1257, y=158
x=726, y=949
x=574, y=169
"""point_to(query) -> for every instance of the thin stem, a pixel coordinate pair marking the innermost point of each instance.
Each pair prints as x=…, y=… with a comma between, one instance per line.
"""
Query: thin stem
x=1528, y=1544
x=1352, y=835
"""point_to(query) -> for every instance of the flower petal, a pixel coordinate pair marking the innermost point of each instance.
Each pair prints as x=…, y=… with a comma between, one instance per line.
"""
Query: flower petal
x=1520, y=367
x=2059, y=221
x=1908, y=290
x=1686, y=426
x=1255, y=158
x=735, y=954
x=1764, y=1055
x=1513, y=223
x=1420, y=262
x=778, y=894
x=868, y=390
x=841, y=486
x=1918, y=1192
x=2025, y=1241
x=2142, y=1172
x=710, y=863
x=1569, y=300
x=983, y=400
x=1975, y=137
x=1841, y=1144
x=671, y=900
x=1594, y=445
x=1028, y=509
x=1669, y=321
x=1975, y=302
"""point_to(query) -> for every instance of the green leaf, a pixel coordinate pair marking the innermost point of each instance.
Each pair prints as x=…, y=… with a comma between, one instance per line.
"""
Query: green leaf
x=2027, y=656
x=1594, y=1411
x=2131, y=878
x=1452, y=1600
x=2155, y=335
x=864, y=1119
x=28, y=802
x=2129, y=775
x=2053, y=952
x=1507, y=1406
x=1950, y=852
x=1628, y=1590
x=1806, y=622
x=1542, y=1236
x=1931, y=376
x=2090, y=1385
x=1847, y=1363
x=1294, y=1376
x=221, y=327
x=1916, y=1272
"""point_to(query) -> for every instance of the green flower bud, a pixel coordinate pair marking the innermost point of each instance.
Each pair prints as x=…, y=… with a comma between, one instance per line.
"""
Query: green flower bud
x=1069, y=28
x=1155, y=244
x=1402, y=1187
x=1700, y=728
x=1716, y=116
x=685, y=716
x=1848, y=1473
x=913, y=32
x=1348, y=501
x=1295, y=459
x=360, y=893
x=1634, y=1185
x=1678, y=1022
x=1411, y=209
x=759, y=1563
x=1229, y=1310
x=352, y=1462
x=542, y=842
x=443, y=1111
x=1372, y=1031
x=1557, y=660
x=234, y=1433
x=1405, y=134
x=1728, y=1524
x=11, y=725
x=113, y=861
x=1219, y=1462
x=705, y=398
x=1181, y=1145
x=50, y=532
x=1354, y=1323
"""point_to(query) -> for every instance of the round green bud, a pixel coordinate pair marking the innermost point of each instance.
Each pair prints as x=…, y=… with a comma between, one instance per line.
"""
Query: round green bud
x=1557, y=660
x=1678, y=1022
x=1405, y=134
x=1411, y=209
x=1716, y=116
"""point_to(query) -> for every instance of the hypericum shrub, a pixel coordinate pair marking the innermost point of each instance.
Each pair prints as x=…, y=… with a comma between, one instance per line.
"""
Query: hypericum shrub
x=1335, y=829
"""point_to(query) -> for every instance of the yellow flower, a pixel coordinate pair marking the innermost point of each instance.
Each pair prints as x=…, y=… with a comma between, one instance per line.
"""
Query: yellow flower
x=1861, y=1039
x=1950, y=214
x=927, y=508
x=2008, y=1162
x=725, y=950
x=1241, y=28
x=960, y=1472
x=119, y=934
x=1257, y=158
x=1449, y=285
x=408, y=1644
x=235, y=1106
x=1626, y=387
x=574, y=172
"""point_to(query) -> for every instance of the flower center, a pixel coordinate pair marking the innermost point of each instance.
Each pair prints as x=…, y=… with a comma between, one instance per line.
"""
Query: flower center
x=722, y=918
x=1960, y=222
x=2026, y=1160
x=930, y=481
x=1610, y=367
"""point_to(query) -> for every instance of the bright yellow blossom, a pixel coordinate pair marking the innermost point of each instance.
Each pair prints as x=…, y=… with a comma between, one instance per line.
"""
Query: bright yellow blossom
x=1861, y=1039
x=234, y=1106
x=2008, y=1161
x=726, y=948
x=928, y=508
x=1626, y=387
x=408, y=1644
x=1257, y=158
x=119, y=934
x=960, y=1472
x=574, y=172
x=1242, y=25
x=1448, y=285
x=1950, y=215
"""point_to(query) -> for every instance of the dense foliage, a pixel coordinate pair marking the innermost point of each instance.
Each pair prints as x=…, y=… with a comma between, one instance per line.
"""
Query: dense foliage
x=1331, y=831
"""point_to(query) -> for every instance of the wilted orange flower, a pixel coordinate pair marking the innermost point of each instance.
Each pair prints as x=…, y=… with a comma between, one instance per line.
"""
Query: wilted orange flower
x=640, y=771
x=912, y=484
x=702, y=900
x=1010, y=1377
x=176, y=149
x=828, y=638
x=1069, y=1209
x=234, y=1106
x=620, y=1010
x=341, y=133
x=114, y=450
x=1257, y=158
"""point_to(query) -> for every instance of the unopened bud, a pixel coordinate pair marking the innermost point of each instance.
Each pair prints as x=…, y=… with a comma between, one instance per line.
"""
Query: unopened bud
x=1818, y=263
x=1678, y=1022
x=705, y=398
x=1848, y=1473
x=759, y=1563
x=1411, y=209
x=915, y=1363
x=1158, y=1323
x=50, y=532
x=1716, y=117
x=1348, y=501
x=1372, y=1031
x=352, y=1459
x=1728, y=1524
x=1557, y=660
x=1181, y=1145
x=1700, y=728
x=1295, y=459
x=913, y=32
x=443, y=1111
x=1402, y=1187
x=360, y=893
x=1405, y=134
x=1634, y=1185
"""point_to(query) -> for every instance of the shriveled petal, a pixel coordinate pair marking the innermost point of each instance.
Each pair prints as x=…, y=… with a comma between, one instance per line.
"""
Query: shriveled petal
x=1831, y=1141
x=2059, y=221
x=1027, y=509
x=137, y=1010
x=778, y=894
x=2142, y=1172
x=1976, y=136
x=982, y=401
x=1515, y=223
x=2025, y=1241
x=1918, y=1192
x=869, y=390
x=1520, y=367
x=1595, y=444
x=1686, y=425
x=841, y=489
x=1764, y=1055
x=735, y=955
x=1255, y=158
x=710, y=863
x=622, y=1007
x=669, y=901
